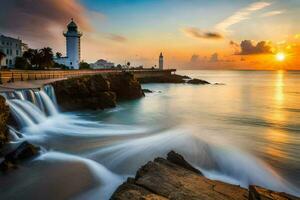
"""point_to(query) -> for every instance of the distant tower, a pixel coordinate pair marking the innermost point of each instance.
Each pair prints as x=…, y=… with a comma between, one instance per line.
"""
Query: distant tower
x=73, y=45
x=161, y=61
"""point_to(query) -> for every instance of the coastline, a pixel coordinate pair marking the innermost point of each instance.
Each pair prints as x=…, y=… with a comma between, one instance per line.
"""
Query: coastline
x=82, y=83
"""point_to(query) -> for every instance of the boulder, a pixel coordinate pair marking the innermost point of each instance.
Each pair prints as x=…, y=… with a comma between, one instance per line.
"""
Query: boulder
x=179, y=160
x=175, y=179
x=125, y=85
x=96, y=91
x=23, y=152
x=196, y=81
x=4, y=118
x=165, y=179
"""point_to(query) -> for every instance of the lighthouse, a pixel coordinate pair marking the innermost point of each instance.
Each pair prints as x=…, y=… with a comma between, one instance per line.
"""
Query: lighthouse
x=73, y=46
x=161, y=61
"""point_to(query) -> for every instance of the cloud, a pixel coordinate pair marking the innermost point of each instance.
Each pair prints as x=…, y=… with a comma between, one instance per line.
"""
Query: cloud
x=241, y=15
x=197, y=33
x=194, y=58
x=117, y=38
x=272, y=13
x=214, y=58
x=248, y=48
x=40, y=19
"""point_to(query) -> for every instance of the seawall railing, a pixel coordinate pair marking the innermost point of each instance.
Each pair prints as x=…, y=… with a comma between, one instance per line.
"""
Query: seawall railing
x=8, y=76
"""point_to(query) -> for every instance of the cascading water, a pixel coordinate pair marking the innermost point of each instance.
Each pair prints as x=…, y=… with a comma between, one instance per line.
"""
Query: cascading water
x=88, y=154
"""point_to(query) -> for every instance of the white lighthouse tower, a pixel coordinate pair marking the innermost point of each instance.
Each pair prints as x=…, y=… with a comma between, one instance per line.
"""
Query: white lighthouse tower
x=73, y=45
x=161, y=61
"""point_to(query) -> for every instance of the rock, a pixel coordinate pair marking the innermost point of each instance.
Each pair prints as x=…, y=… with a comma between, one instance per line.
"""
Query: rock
x=168, y=180
x=172, y=78
x=175, y=179
x=134, y=192
x=23, y=152
x=96, y=91
x=125, y=86
x=179, y=160
x=4, y=118
x=259, y=193
x=196, y=81
x=219, y=84
x=147, y=91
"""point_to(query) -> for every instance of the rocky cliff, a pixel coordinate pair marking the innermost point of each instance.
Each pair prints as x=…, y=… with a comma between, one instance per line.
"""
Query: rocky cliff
x=97, y=91
x=174, y=178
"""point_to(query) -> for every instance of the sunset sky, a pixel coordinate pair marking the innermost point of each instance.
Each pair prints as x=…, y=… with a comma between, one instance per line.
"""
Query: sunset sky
x=194, y=34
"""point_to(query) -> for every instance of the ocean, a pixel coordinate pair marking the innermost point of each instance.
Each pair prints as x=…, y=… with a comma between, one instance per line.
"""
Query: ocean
x=244, y=130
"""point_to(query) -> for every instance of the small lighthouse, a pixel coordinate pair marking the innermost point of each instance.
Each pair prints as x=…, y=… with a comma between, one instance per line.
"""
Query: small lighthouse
x=73, y=45
x=161, y=61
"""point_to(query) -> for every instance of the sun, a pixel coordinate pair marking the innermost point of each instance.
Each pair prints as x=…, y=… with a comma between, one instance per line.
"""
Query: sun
x=280, y=57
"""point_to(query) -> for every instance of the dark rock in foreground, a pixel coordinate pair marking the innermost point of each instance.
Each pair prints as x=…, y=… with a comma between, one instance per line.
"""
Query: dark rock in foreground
x=174, y=178
x=23, y=152
x=4, y=118
x=196, y=81
x=96, y=91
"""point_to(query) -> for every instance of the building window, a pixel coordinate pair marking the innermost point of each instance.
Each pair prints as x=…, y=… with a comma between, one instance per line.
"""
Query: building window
x=70, y=63
x=17, y=52
x=16, y=45
x=7, y=51
x=10, y=52
x=6, y=61
x=10, y=62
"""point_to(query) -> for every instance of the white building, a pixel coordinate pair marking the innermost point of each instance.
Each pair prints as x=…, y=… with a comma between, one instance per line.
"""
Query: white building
x=161, y=62
x=102, y=64
x=72, y=59
x=12, y=48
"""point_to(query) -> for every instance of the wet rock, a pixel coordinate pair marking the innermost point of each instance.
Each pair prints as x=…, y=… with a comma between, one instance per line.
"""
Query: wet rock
x=179, y=160
x=125, y=85
x=174, y=178
x=259, y=193
x=196, y=81
x=172, y=78
x=23, y=152
x=166, y=179
x=4, y=118
x=147, y=91
x=96, y=91
x=134, y=192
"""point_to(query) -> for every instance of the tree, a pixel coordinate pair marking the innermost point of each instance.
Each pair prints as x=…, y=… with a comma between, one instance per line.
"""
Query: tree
x=84, y=65
x=58, y=55
x=128, y=64
x=21, y=63
x=32, y=56
x=46, y=57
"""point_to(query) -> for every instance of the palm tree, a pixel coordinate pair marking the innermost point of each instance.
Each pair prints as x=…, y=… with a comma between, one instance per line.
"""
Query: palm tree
x=32, y=56
x=58, y=55
x=46, y=57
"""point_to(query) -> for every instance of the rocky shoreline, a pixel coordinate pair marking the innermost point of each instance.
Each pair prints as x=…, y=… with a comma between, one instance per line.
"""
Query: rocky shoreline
x=97, y=91
x=174, y=178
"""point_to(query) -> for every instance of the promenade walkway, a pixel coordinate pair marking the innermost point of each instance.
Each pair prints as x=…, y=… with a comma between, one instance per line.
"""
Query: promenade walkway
x=22, y=79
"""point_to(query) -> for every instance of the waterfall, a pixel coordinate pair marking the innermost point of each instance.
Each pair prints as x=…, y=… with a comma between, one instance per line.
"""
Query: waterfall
x=31, y=106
